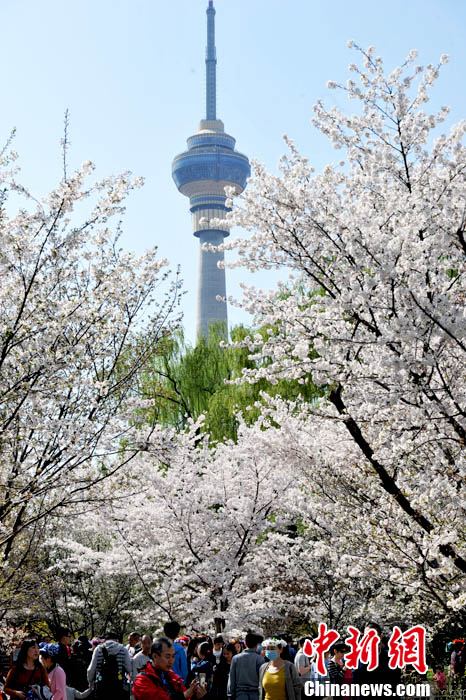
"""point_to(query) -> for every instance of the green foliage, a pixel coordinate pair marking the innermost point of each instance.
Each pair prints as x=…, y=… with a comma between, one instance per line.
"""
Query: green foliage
x=185, y=382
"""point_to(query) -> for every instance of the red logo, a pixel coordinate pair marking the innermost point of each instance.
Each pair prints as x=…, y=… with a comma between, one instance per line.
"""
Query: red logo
x=403, y=648
x=366, y=650
x=408, y=648
x=322, y=643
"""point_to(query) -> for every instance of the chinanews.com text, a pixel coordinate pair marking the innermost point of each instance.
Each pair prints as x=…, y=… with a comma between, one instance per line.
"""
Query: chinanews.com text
x=366, y=690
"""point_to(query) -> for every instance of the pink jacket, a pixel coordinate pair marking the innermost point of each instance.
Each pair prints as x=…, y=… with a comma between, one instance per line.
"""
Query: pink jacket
x=57, y=680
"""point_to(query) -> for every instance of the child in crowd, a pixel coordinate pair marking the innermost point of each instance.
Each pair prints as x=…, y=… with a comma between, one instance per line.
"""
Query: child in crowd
x=440, y=679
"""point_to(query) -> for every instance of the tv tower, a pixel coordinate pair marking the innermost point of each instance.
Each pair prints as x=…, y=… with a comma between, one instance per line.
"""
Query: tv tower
x=201, y=173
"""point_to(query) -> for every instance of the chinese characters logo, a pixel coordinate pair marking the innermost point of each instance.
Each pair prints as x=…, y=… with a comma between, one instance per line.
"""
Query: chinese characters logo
x=403, y=648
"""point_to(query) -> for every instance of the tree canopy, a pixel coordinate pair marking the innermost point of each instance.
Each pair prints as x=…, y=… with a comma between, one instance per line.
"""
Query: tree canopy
x=70, y=302
x=185, y=382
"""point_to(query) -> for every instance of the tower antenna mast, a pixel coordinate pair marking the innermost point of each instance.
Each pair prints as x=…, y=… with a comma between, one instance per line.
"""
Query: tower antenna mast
x=211, y=65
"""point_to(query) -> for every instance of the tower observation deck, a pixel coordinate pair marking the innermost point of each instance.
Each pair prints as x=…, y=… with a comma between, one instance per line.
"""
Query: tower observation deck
x=201, y=173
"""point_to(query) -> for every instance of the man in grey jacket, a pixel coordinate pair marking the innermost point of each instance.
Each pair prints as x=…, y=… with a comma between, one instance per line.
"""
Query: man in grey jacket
x=243, y=680
x=111, y=648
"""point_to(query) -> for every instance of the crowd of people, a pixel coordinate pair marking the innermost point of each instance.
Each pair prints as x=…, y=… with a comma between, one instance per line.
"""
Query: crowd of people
x=174, y=667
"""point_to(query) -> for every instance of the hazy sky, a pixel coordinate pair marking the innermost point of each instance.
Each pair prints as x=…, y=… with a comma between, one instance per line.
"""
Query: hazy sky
x=131, y=72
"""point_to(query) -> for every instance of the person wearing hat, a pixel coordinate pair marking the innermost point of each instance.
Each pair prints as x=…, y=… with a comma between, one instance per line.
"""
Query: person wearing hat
x=278, y=678
x=49, y=656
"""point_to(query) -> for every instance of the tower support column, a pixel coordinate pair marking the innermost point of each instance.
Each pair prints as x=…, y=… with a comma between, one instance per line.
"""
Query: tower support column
x=211, y=283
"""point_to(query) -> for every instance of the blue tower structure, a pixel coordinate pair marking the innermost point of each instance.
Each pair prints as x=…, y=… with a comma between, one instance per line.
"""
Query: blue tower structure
x=201, y=173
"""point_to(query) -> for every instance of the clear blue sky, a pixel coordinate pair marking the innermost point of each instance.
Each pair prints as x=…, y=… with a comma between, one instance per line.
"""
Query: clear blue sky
x=131, y=72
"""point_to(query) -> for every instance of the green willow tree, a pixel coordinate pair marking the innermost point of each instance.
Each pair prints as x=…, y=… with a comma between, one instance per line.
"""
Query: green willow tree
x=184, y=382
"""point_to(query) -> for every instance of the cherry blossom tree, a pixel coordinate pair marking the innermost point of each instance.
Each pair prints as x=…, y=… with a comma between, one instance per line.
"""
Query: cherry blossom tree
x=84, y=584
x=71, y=302
x=189, y=524
x=352, y=557
x=304, y=584
x=269, y=531
x=375, y=314
x=207, y=511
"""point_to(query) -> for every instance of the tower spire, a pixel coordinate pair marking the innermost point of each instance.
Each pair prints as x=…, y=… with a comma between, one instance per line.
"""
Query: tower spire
x=211, y=64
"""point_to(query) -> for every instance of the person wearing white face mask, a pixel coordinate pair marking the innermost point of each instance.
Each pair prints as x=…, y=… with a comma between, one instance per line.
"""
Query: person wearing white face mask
x=278, y=679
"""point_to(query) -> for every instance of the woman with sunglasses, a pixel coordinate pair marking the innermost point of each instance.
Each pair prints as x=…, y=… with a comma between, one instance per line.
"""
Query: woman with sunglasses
x=278, y=679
